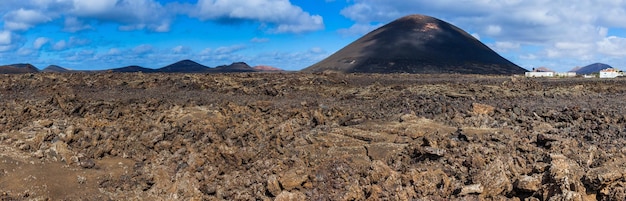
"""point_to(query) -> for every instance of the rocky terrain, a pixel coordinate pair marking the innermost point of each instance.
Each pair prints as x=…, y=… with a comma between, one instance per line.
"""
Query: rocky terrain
x=294, y=136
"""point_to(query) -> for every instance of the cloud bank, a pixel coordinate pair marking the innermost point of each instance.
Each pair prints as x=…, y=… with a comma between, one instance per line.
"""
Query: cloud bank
x=554, y=29
x=152, y=15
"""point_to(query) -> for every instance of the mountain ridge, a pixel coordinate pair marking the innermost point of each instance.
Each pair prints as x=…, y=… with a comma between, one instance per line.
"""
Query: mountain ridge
x=183, y=66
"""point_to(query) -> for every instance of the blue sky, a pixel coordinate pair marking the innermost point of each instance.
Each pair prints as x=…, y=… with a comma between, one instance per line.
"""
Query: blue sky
x=101, y=34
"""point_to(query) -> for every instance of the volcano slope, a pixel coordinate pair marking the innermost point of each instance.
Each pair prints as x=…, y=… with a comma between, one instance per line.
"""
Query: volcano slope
x=109, y=136
x=417, y=44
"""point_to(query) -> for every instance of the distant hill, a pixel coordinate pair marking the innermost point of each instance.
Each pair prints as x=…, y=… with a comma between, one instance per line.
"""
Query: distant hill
x=18, y=68
x=267, y=68
x=592, y=68
x=133, y=69
x=575, y=69
x=234, y=67
x=184, y=66
x=417, y=44
x=55, y=69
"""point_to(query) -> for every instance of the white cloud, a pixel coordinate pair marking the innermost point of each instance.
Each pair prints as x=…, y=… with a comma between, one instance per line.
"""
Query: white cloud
x=572, y=45
x=60, y=45
x=75, y=41
x=73, y=24
x=63, y=44
x=317, y=50
x=130, y=14
x=532, y=28
x=291, y=60
x=493, y=30
x=229, y=49
x=259, y=40
x=181, y=50
x=222, y=55
x=206, y=51
x=581, y=51
x=281, y=15
x=359, y=29
x=505, y=46
x=305, y=24
x=40, y=42
x=93, y=8
x=82, y=55
x=613, y=46
x=4, y=48
x=284, y=16
x=22, y=19
x=5, y=38
x=527, y=21
x=365, y=12
x=143, y=49
x=529, y=56
x=25, y=51
x=114, y=51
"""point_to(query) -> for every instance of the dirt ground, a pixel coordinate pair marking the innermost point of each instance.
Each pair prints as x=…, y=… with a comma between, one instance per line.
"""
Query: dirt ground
x=326, y=136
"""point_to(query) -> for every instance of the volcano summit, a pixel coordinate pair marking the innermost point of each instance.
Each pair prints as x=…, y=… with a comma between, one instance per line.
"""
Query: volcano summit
x=417, y=44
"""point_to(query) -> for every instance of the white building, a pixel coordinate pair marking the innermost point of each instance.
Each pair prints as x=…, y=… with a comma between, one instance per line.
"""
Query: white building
x=589, y=76
x=610, y=73
x=566, y=74
x=540, y=74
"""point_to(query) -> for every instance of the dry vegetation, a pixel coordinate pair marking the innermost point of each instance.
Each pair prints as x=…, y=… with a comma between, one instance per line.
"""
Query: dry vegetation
x=256, y=136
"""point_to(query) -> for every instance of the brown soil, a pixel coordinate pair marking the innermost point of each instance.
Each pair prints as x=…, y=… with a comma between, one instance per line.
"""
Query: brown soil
x=291, y=136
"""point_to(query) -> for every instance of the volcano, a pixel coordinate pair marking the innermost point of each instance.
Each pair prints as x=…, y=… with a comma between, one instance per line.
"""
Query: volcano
x=591, y=68
x=55, y=69
x=235, y=67
x=18, y=68
x=184, y=66
x=133, y=69
x=417, y=44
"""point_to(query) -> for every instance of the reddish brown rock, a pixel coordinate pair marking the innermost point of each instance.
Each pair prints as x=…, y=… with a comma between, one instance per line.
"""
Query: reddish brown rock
x=293, y=179
x=289, y=196
x=483, y=109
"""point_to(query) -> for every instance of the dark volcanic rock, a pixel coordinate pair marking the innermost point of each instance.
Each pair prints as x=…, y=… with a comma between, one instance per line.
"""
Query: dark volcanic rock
x=184, y=66
x=18, y=68
x=235, y=67
x=55, y=69
x=592, y=68
x=132, y=69
x=417, y=44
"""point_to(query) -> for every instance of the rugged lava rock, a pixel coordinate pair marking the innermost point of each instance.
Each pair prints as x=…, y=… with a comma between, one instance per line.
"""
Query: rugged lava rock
x=297, y=136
